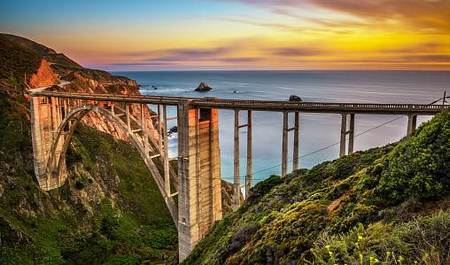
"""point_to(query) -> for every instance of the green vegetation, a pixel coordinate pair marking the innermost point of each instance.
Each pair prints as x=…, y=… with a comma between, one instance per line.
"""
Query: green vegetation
x=386, y=205
x=110, y=210
x=423, y=240
x=16, y=62
x=38, y=50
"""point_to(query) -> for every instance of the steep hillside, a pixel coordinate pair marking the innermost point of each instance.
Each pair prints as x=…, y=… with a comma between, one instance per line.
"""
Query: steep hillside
x=26, y=64
x=109, y=211
x=388, y=205
x=41, y=50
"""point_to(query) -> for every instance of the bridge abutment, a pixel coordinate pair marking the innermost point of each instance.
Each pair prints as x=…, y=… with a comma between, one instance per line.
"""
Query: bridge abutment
x=199, y=200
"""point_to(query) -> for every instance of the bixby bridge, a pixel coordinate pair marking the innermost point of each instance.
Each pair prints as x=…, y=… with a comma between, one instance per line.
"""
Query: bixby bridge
x=192, y=189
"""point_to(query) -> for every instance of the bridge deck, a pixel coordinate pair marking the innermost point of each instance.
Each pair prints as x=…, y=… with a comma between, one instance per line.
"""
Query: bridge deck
x=258, y=105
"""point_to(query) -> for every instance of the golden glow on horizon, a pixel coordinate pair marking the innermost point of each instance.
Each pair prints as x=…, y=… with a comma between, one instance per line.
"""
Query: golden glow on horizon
x=271, y=39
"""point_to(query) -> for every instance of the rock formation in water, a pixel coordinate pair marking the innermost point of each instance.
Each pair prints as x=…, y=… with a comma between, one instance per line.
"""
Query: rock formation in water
x=295, y=98
x=203, y=87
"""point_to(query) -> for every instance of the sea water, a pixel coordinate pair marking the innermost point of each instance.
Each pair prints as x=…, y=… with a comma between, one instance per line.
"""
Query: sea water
x=317, y=131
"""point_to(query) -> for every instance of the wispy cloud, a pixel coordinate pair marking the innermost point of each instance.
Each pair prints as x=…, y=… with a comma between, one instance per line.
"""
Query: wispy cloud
x=426, y=14
x=179, y=54
x=223, y=54
x=296, y=51
x=273, y=25
x=425, y=47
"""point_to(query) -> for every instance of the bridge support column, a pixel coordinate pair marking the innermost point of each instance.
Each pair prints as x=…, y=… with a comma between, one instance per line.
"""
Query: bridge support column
x=412, y=124
x=199, y=191
x=296, y=149
x=236, y=165
x=284, y=145
x=285, y=142
x=236, y=198
x=165, y=152
x=351, y=135
x=249, y=175
x=343, y=135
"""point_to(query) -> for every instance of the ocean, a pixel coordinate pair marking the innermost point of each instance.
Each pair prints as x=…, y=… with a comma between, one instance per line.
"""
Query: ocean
x=316, y=130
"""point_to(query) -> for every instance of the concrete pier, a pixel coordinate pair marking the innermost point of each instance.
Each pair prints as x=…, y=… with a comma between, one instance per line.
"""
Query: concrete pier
x=412, y=124
x=343, y=148
x=199, y=190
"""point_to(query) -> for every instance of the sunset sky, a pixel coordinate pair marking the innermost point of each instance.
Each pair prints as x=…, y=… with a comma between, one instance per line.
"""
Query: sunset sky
x=238, y=34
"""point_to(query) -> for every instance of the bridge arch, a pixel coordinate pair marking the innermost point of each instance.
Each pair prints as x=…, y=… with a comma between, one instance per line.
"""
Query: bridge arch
x=63, y=135
x=54, y=118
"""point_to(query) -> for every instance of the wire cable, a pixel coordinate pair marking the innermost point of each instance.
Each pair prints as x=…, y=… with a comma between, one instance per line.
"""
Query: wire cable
x=334, y=144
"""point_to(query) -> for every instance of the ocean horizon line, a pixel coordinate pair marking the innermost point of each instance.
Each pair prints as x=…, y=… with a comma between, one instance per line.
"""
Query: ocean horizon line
x=276, y=70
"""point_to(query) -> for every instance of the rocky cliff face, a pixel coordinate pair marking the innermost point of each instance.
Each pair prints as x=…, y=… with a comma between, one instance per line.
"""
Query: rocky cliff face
x=83, y=80
x=44, y=76
x=95, y=81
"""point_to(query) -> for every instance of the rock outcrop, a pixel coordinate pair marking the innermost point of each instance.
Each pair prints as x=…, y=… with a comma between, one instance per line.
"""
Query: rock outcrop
x=44, y=76
x=295, y=98
x=227, y=199
x=96, y=81
x=203, y=87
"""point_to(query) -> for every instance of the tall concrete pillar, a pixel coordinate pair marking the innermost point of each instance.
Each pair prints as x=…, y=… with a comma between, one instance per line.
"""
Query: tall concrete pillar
x=284, y=145
x=412, y=124
x=199, y=191
x=249, y=175
x=343, y=135
x=236, y=166
x=296, y=148
x=351, y=134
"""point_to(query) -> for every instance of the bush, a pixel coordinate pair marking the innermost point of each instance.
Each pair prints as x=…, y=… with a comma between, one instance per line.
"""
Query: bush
x=420, y=166
x=425, y=240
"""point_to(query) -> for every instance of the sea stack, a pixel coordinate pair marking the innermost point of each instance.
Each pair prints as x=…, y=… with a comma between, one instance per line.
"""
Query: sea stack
x=203, y=87
x=295, y=98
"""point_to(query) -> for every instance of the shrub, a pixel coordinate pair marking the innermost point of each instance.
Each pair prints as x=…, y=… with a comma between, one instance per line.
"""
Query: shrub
x=425, y=240
x=420, y=166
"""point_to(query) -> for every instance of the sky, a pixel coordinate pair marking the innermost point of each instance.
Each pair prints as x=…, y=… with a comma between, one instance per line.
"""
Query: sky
x=238, y=34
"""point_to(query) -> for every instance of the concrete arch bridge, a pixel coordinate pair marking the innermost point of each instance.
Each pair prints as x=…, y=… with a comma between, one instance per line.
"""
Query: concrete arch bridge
x=197, y=182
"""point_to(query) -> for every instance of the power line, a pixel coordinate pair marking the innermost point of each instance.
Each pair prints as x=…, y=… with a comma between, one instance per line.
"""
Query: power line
x=334, y=144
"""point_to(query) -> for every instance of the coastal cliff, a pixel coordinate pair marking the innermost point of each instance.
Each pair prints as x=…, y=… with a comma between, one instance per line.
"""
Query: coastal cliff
x=109, y=210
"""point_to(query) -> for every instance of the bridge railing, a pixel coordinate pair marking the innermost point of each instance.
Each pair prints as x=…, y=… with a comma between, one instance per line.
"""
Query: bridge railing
x=260, y=105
